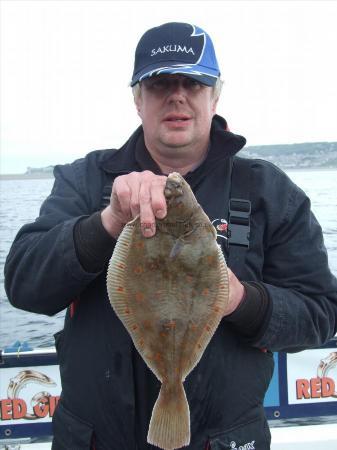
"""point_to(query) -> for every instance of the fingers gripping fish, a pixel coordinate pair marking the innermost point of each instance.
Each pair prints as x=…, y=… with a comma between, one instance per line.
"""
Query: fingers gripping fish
x=170, y=292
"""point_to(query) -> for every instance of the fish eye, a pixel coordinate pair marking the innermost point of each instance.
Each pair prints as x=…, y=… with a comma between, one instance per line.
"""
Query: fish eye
x=173, y=185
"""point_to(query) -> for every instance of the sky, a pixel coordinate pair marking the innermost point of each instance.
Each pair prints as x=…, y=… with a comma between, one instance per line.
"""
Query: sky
x=66, y=67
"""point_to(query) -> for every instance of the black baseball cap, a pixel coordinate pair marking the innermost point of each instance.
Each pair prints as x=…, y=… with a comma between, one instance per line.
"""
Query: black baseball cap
x=179, y=48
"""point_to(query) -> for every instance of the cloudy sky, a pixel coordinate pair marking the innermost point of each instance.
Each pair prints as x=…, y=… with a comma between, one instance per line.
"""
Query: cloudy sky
x=66, y=65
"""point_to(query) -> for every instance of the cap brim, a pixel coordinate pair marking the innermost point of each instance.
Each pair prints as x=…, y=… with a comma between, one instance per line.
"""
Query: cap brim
x=199, y=73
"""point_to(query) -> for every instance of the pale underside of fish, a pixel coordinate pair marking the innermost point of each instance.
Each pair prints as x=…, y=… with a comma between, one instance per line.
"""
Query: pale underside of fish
x=170, y=291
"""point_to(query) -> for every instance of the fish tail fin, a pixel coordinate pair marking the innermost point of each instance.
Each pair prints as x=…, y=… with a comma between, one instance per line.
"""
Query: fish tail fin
x=170, y=422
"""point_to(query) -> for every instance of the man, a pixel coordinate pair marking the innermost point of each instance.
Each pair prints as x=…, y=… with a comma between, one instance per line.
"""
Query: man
x=282, y=294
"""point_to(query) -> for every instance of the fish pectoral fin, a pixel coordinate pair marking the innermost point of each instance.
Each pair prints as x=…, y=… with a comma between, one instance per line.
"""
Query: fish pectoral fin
x=180, y=242
x=177, y=247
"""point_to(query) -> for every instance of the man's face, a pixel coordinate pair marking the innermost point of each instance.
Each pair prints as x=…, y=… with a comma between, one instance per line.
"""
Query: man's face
x=176, y=113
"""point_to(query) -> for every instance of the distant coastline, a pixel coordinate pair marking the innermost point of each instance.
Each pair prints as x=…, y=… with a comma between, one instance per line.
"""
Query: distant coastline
x=41, y=176
x=26, y=176
x=32, y=173
x=306, y=156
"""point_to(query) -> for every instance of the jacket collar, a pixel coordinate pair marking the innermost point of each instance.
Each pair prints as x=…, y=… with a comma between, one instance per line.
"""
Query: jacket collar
x=133, y=155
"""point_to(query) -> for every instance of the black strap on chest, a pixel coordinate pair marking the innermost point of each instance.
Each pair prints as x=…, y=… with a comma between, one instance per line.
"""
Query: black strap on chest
x=239, y=212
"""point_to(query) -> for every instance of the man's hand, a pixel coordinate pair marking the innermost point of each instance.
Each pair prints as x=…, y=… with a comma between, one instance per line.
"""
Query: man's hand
x=137, y=193
x=236, y=293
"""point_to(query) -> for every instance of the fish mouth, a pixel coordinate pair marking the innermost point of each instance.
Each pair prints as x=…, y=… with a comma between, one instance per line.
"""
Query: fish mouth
x=174, y=186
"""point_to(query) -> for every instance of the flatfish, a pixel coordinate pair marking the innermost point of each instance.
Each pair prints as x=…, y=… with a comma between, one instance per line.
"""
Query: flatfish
x=170, y=292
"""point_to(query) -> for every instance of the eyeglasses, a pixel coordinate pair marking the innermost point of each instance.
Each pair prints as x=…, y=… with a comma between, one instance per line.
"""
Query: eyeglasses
x=162, y=83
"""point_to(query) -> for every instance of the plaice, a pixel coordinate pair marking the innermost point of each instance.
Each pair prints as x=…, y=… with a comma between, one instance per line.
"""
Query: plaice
x=170, y=292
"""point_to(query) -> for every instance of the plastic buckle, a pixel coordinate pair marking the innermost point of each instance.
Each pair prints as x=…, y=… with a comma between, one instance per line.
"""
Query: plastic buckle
x=239, y=222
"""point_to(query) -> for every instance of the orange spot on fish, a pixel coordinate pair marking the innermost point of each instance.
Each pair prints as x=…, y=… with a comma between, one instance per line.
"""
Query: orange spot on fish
x=120, y=289
x=147, y=324
x=163, y=335
x=205, y=292
x=127, y=311
x=208, y=328
x=138, y=270
x=216, y=308
x=139, y=244
x=134, y=327
x=210, y=259
x=193, y=327
x=139, y=296
x=141, y=342
x=158, y=357
x=121, y=266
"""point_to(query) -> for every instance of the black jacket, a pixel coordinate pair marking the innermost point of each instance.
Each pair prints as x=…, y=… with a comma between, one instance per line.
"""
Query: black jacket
x=107, y=390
